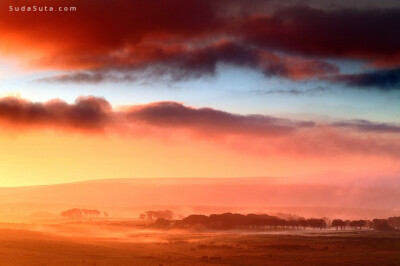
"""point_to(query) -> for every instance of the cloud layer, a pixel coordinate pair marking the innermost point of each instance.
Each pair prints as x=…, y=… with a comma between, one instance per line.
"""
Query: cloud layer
x=386, y=79
x=85, y=113
x=125, y=40
x=255, y=133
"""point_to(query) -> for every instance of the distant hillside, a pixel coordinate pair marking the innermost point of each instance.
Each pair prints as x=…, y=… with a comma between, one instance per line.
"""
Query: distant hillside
x=241, y=194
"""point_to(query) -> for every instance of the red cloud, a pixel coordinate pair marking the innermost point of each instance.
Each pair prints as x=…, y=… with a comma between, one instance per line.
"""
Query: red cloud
x=189, y=38
x=343, y=33
x=256, y=133
x=86, y=113
x=171, y=114
x=181, y=62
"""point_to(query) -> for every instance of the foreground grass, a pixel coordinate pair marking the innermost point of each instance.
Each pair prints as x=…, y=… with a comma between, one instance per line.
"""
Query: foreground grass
x=25, y=247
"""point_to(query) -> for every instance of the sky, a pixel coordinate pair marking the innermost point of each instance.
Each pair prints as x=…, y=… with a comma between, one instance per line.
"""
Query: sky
x=173, y=88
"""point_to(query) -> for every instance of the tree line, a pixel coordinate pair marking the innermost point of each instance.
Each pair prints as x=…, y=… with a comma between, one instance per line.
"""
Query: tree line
x=154, y=215
x=229, y=221
x=77, y=213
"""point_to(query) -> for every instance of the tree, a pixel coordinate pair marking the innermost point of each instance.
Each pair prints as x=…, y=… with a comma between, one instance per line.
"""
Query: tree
x=362, y=223
x=228, y=221
x=90, y=213
x=381, y=225
x=394, y=222
x=94, y=213
x=316, y=223
x=293, y=223
x=80, y=213
x=195, y=219
x=338, y=223
x=358, y=223
x=72, y=213
x=153, y=215
x=149, y=215
x=303, y=223
x=161, y=222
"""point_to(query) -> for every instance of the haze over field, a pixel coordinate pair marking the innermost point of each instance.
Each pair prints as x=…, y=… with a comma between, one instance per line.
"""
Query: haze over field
x=125, y=198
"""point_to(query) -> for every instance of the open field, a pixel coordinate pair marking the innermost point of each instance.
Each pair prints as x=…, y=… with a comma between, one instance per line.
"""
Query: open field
x=125, y=244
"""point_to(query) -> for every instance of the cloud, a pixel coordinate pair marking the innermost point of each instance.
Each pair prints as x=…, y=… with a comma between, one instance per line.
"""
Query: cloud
x=381, y=79
x=292, y=91
x=172, y=114
x=254, y=133
x=89, y=77
x=130, y=40
x=88, y=113
x=96, y=114
x=332, y=141
x=338, y=33
x=86, y=38
x=179, y=62
x=368, y=126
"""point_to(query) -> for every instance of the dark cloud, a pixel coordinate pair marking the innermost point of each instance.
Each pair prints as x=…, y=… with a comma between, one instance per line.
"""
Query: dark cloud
x=86, y=113
x=255, y=133
x=339, y=33
x=113, y=41
x=96, y=114
x=89, y=77
x=292, y=91
x=180, y=63
x=368, y=126
x=171, y=114
x=381, y=79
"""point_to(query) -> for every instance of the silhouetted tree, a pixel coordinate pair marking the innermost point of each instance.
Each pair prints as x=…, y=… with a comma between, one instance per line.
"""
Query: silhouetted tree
x=90, y=213
x=316, y=223
x=303, y=223
x=347, y=222
x=358, y=223
x=394, y=222
x=153, y=215
x=338, y=223
x=80, y=213
x=370, y=224
x=195, y=219
x=381, y=225
x=362, y=223
x=72, y=213
x=293, y=223
x=228, y=221
x=161, y=222
x=149, y=215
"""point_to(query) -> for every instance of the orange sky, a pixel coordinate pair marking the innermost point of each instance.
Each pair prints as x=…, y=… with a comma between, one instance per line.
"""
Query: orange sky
x=48, y=157
x=54, y=142
x=346, y=117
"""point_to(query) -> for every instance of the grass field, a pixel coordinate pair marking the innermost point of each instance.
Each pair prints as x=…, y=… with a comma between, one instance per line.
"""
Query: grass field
x=113, y=244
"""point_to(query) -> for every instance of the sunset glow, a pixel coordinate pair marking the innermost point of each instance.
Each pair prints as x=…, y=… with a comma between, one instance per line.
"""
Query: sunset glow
x=129, y=90
x=199, y=132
